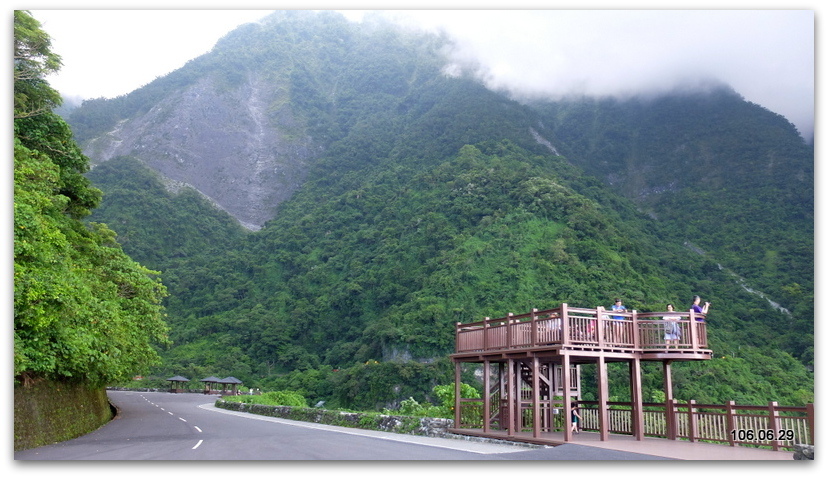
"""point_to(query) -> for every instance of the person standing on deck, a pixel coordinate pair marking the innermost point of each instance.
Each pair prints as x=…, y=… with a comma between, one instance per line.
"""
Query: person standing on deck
x=672, y=331
x=619, y=306
x=617, y=328
x=698, y=309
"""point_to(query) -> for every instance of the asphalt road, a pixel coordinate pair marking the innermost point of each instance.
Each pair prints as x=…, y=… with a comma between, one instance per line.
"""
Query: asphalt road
x=165, y=426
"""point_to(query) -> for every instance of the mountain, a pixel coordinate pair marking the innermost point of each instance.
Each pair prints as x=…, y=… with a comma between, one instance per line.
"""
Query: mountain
x=324, y=203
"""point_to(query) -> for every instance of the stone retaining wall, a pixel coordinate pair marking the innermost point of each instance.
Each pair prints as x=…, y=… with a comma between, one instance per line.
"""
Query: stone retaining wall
x=47, y=412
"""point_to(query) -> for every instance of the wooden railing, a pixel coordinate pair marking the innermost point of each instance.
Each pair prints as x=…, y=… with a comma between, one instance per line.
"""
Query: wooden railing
x=772, y=426
x=572, y=326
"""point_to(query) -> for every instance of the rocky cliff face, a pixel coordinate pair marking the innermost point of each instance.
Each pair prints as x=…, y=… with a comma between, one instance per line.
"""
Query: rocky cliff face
x=241, y=147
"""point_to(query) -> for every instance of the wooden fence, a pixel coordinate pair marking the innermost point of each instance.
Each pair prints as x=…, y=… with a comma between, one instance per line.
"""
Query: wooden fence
x=774, y=426
x=578, y=327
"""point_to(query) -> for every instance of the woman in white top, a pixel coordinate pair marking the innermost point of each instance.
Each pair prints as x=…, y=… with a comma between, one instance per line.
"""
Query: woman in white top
x=672, y=331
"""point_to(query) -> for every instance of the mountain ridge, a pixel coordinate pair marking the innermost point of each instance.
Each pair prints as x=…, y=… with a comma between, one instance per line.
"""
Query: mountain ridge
x=426, y=200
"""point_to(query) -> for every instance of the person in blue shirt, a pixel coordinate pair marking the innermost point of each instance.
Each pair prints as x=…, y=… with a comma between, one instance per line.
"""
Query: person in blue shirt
x=619, y=306
x=698, y=309
x=617, y=330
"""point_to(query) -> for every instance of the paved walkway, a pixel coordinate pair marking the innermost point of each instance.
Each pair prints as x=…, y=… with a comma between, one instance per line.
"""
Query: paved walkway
x=676, y=449
x=681, y=450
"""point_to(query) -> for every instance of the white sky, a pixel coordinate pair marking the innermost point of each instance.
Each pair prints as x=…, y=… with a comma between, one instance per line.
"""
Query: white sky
x=765, y=55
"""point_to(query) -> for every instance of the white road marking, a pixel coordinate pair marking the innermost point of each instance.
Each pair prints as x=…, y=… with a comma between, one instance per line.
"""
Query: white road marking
x=453, y=444
x=197, y=444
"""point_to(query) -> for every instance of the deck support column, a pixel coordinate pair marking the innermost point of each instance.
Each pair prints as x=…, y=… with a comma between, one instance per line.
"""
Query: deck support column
x=503, y=400
x=669, y=409
x=487, y=396
x=511, y=397
x=536, y=412
x=457, y=366
x=567, y=405
x=637, y=399
x=603, y=398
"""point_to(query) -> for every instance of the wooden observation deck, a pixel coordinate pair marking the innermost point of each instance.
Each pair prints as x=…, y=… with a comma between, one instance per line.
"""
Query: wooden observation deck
x=535, y=354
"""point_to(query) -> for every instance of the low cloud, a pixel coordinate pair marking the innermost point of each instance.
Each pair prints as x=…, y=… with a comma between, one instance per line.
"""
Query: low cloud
x=767, y=56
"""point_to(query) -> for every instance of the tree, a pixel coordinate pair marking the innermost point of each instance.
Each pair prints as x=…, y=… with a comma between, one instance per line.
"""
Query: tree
x=83, y=310
x=33, y=60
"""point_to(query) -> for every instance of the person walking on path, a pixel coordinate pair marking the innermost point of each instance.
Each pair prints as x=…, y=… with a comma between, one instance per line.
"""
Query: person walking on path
x=575, y=417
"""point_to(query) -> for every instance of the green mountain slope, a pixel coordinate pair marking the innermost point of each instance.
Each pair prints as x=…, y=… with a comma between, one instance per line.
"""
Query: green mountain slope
x=434, y=201
x=732, y=180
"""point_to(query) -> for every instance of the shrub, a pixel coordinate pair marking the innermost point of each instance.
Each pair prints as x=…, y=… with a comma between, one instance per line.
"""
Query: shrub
x=282, y=397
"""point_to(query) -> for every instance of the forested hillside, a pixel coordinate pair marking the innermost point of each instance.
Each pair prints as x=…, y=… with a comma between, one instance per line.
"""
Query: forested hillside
x=84, y=312
x=728, y=178
x=430, y=200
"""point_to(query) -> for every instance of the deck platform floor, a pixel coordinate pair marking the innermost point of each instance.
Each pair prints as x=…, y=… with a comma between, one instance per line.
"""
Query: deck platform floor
x=676, y=449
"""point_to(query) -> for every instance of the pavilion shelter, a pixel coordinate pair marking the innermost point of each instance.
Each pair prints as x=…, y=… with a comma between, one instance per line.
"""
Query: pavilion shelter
x=210, y=385
x=232, y=382
x=176, y=383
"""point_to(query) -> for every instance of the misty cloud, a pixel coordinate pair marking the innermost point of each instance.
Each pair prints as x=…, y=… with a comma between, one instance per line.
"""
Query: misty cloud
x=767, y=56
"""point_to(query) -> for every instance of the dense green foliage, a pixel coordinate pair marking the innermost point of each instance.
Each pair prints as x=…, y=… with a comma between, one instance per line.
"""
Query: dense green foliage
x=727, y=176
x=280, y=397
x=432, y=204
x=83, y=310
x=171, y=226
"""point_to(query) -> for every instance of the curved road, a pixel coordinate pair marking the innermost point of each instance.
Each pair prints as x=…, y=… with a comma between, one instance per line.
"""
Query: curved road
x=166, y=426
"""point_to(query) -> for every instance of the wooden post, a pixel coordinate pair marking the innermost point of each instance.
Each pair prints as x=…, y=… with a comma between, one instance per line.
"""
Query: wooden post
x=509, y=330
x=511, y=399
x=694, y=331
x=599, y=323
x=669, y=403
x=637, y=399
x=536, y=415
x=565, y=328
x=672, y=419
x=636, y=340
x=567, y=405
x=486, y=326
x=729, y=420
x=487, y=396
x=548, y=413
x=811, y=421
x=457, y=395
x=503, y=406
x=534, y=330
x=773, y=417
x=603, y=397
x=692, y=420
